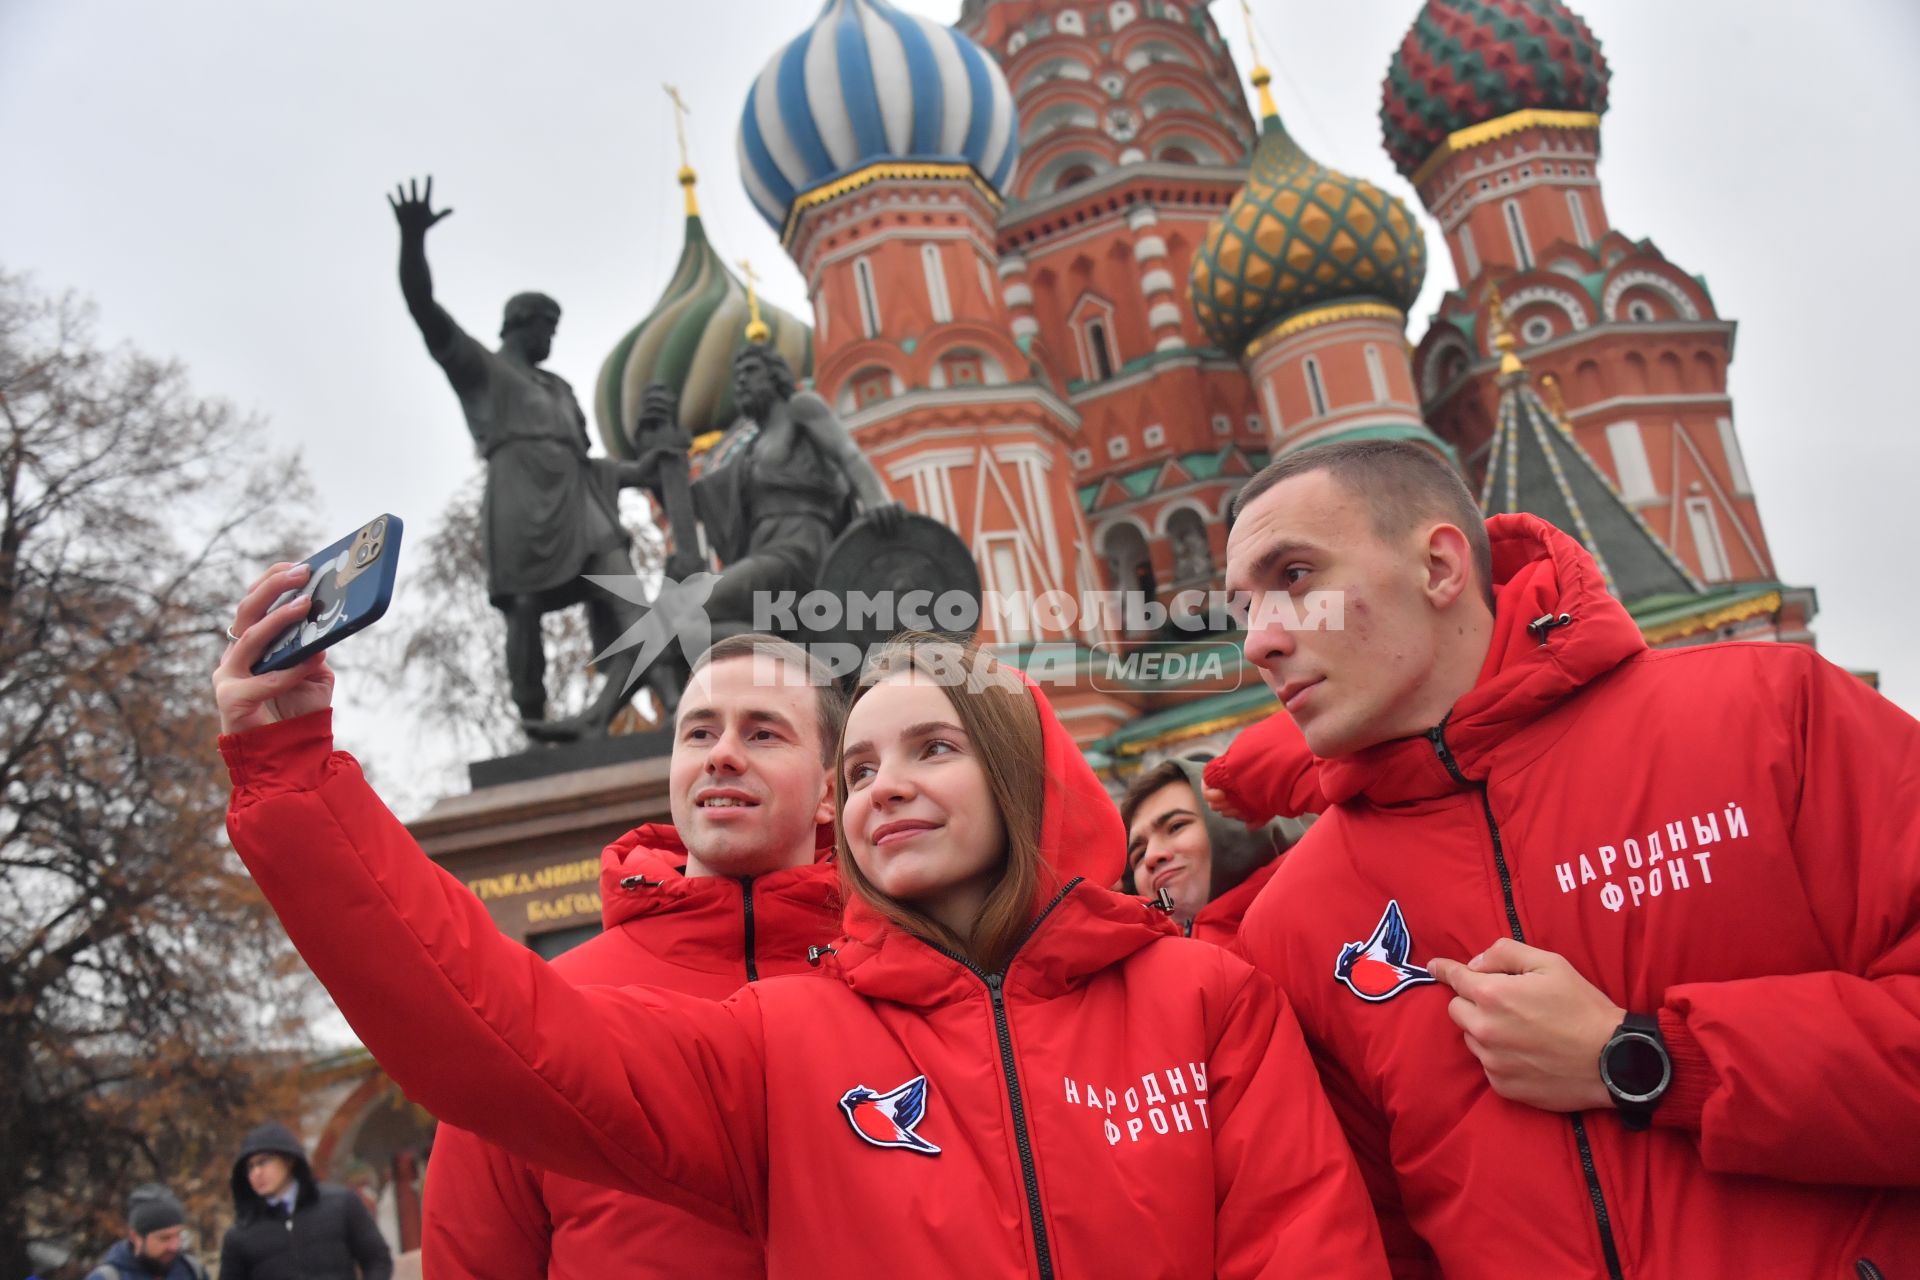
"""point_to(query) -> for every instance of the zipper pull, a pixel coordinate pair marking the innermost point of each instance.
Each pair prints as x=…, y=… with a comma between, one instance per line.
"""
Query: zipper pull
x=1546, y=622
x=1162, y=901
x=994, y=993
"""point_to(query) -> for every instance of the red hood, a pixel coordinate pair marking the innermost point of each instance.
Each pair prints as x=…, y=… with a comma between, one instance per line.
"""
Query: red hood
x=643, y=874
x=1081, y=837
x=1536, y=570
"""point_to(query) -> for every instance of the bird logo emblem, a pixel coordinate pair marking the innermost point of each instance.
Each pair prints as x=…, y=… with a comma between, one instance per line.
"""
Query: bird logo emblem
x=1377, y=968
x=889, y=1119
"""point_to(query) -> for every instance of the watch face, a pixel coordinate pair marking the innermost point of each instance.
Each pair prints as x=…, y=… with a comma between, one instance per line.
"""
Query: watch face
x=1636, y=1068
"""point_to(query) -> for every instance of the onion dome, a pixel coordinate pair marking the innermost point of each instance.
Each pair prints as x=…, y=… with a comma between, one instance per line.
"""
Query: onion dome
x=868, y=84
x=1466, y=62
x=688, y=341
x=1300, y=235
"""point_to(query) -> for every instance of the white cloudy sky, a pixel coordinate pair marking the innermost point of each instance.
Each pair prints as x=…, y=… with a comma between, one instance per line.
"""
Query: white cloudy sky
x=211, y=172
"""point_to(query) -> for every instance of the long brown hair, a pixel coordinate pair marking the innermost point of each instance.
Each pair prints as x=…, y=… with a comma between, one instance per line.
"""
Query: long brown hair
x=1003, y=726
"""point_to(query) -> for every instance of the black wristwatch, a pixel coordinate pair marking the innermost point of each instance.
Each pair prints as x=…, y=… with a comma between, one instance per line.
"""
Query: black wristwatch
x=1636, y=1069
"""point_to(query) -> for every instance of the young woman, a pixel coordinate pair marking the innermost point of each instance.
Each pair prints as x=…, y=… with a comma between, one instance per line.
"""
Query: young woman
x=1004, y=1069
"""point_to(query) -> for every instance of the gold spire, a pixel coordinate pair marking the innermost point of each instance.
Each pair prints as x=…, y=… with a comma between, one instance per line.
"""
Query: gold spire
x=1502, y=337
x=757, y=331
x=687, y=176
x=1260, y=77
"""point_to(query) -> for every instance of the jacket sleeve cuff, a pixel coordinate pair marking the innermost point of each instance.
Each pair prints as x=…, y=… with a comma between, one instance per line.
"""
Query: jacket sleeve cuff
x=1694, y=1077
x=288, y=755
x=1219, y=773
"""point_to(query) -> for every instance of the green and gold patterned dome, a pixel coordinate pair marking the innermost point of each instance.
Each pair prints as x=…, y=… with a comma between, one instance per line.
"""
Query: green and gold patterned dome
x=1297, y=236
x=688, y=341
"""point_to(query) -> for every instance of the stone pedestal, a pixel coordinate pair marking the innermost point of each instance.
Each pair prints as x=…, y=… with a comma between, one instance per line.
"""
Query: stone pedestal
x=529, y=844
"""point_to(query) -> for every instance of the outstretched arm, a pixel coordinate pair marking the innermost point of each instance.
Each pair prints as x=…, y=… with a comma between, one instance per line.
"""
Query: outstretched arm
x=640, y=1090
x=413, y=210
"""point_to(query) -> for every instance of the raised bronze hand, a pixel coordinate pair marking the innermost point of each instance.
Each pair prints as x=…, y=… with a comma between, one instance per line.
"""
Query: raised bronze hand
x=412, y=208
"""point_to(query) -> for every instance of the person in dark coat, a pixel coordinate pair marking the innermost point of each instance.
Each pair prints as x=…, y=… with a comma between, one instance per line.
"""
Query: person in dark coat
x=155, y=1243
x=290, y=1226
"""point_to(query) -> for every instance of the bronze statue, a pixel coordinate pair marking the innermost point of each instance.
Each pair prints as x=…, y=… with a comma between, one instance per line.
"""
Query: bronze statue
x=550, y=512
x=778, y=489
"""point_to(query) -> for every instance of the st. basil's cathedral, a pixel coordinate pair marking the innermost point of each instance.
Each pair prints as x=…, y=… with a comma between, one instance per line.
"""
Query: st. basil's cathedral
x=1070, y=289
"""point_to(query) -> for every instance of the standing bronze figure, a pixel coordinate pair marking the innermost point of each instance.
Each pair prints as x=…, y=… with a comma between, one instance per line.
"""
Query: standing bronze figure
x=550, y=512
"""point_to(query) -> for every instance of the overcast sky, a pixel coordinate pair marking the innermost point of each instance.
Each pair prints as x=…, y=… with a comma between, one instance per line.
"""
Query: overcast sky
x=212, y=175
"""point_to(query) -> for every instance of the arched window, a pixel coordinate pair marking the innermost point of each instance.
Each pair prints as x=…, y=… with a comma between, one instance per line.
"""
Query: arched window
x=1316, y=390
x=1098, y=351
x=937, y=298
x=1517, y=233
x=1577, y=207
x=1469, y=256
x=1376, y=374
x=869, y=300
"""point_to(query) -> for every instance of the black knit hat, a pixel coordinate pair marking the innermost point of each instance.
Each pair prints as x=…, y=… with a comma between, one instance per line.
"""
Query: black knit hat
x=152, y=1208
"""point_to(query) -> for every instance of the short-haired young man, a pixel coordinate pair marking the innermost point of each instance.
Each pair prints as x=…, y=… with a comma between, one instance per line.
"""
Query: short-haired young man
x=1680, y=1034
x=738, y=888
x=1205, y=867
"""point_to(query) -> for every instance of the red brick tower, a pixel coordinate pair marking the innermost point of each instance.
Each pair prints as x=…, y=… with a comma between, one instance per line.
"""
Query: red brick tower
x=1491, y=108
x=1134, y=133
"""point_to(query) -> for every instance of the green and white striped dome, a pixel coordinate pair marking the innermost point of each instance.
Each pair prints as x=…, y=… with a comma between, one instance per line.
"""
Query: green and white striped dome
x=688, y=341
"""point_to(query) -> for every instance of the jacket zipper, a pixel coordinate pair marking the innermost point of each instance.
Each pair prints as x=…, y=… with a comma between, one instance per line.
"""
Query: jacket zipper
x=1865, y=1269
x=746, y=905
x=1438, y=736
x=1003, y=1033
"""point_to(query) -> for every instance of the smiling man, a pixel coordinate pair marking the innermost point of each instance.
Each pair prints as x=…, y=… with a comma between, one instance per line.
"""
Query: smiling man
x=1682, y=888
x=738, y=888
x=1209, y=866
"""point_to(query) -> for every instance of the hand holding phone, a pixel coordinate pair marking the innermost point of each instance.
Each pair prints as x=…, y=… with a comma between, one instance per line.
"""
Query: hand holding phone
x=349, y=586
x=276, y=668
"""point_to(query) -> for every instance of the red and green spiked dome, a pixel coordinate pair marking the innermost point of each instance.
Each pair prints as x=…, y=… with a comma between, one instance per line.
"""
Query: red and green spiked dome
x=1466, y=62
x=1300, y=235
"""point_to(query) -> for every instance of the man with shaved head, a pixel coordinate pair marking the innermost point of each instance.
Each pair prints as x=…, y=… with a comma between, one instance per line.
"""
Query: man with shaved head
x=1610, y=956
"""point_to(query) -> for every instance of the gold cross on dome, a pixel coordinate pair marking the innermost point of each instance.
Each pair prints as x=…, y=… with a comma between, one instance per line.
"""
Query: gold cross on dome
x=680, y=113
x=757, y=331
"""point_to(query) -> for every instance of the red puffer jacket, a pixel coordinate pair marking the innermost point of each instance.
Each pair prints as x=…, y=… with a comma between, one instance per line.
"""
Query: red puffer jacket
x=1725, y=835
x=1119, y=1102
x=494, y=1217
x=1219, y=921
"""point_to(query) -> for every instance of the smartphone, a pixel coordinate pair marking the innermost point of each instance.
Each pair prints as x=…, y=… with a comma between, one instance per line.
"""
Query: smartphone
x=349, y=586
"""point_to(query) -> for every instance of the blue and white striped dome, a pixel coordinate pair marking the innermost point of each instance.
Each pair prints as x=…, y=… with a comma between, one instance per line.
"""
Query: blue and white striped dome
x=868, y=84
